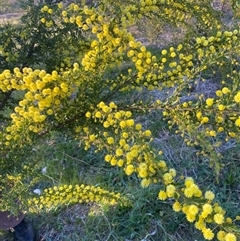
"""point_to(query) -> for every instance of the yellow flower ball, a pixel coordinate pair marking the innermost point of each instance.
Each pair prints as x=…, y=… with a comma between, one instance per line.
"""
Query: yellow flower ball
x=230, y=237
x=193, y=209
x=221, y=107
x=225, y=90
x=237, y=97
x=209, y=102
x=148, y=133
x=170, y=190
x=110, y=140
x=237, y=122
x=219, y=93
x=221, y=235
x=205, y=119
x=119, y=152
x=218, y=218
x=208, y=233
x=212, y=133
x=120, y=162
x=129, y=169
x=209, y=195
x=162, y=195
x=177, y=207
x=207, y=209
x=98, y=114
x=164, y=52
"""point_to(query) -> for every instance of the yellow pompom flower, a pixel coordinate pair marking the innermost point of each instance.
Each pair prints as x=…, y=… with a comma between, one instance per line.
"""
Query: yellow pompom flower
x=130, y=122
x=164, y=52
x=98, y=114
x=138, y=127
x=205, y=120
x=113, y=161
x=230, y=237
x=221, y=107
x=173, y=54
x=191, y=218
x=199, y=115
x=208, y=233
x=219, y=93
x=188, y=192
x=162, y=164
x=209, y=101
x=209, y=195
x=189, y=181
x=225, y=90
x=148, y=133
x=207, y=209
x=229, y=220
x=237, y=122
x=193, y=209
x=92, y=137
x=177, y=207
x=168, y=178
x=162, y=195
x=212, y=133
x=237, y=97
x=173, y=172
x=88, y=114
x=43, y=20
x=64, y=13
x=129, y=170
x=108, y=158
x=170, y=190
x=120, y=162
x=60, y=5
x=221, y=235
x=218, y=218
x=145, y=182
x=110, y=140
x=45, y=8
x=119, y=152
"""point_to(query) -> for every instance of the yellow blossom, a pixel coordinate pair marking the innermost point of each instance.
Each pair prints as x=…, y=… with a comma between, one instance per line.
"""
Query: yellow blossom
x=237, y=97
x=177, y=207
x=221, y=107
x=225, y=90
x=219, y=93
x=209, y=101
x=110, y=140
x=129, y=170
x=230, y=237
x=209, y=195
x=205, y=120
x=221, y=235
x=207, y=209
x=170, y=190
x=162, y=195
x=218, y=218
x=193, y=209
x=208, y=233
x=237, y=122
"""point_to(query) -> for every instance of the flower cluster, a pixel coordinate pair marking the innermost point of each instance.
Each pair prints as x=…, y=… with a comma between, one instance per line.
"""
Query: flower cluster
x=208, y=216
x=69, y=194
x=44, y=93
x=70, y=96
x=125, y=142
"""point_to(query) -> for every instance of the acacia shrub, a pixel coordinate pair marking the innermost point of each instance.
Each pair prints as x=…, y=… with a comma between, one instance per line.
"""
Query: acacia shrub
x=59, y=63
